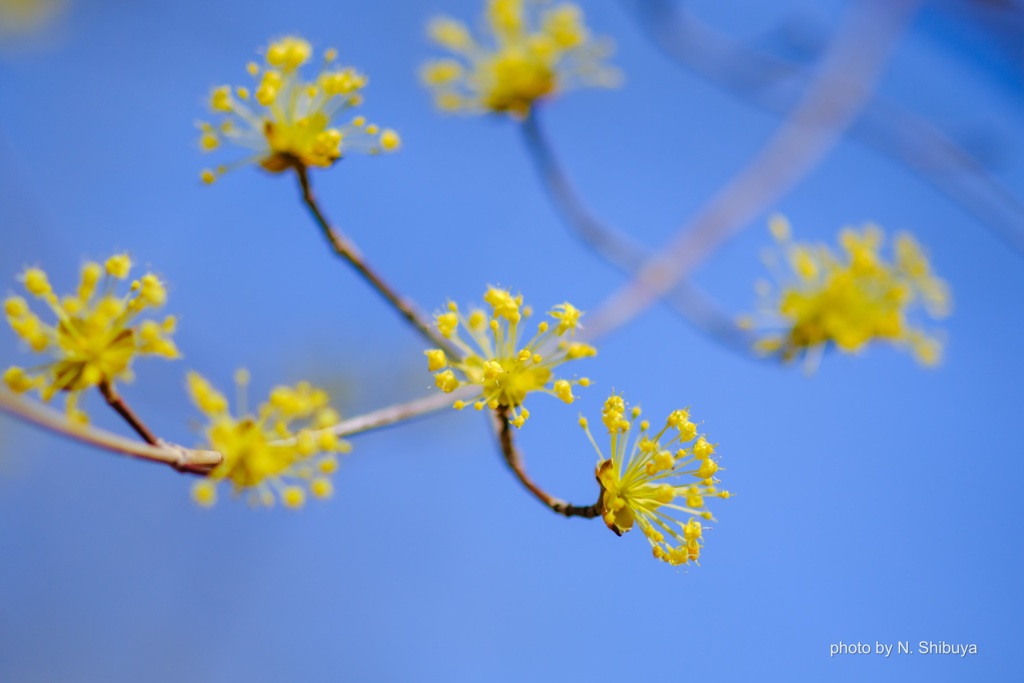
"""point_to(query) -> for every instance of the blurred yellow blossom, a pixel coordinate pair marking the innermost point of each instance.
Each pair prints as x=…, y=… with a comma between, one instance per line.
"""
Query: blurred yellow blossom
x=532, y=52
x=656, y=480
x=287, y=121
x=848, y=297
x=95, y=337
x=505, y=368
x=25, y=16
x=282, y=452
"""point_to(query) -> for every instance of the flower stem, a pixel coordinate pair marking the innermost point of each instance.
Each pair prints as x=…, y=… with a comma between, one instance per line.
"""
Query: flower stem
x=122, y=408
x=346, y=249
x=515, y=463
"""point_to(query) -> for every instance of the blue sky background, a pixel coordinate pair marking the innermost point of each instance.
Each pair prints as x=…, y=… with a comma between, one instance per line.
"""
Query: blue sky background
x=876, y=501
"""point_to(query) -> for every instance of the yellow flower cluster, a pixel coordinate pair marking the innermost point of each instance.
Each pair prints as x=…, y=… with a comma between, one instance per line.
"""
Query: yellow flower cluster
x=495, y=359
x=266, y=455
x=850, y=297
x=95, y=337
x=641, y=483
x=530, y=55
x=289, y=122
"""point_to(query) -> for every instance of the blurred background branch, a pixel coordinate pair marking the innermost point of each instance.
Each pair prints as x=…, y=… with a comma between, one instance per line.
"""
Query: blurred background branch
x=620, y=249
x=833, y=98
x=773, y=83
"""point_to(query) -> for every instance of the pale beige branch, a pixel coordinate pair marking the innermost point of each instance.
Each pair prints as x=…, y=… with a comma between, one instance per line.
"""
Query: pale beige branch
x=385, y=417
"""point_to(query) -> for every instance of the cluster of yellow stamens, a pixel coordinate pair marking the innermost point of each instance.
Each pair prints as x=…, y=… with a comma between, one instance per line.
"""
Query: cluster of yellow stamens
x=530, y=55
x=495, y=359
x=95, y=337
x=266, y=456
x=288, y=121
x=642, y=482
x=849, y=297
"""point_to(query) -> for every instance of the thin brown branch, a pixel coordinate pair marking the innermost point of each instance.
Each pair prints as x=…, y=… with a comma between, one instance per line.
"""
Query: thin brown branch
x=830, y=104
x=347, y=250
x=195, y=461
x=115, y=401
x=621, y=250
x=515, y=462
x=181, y=459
